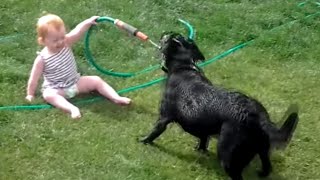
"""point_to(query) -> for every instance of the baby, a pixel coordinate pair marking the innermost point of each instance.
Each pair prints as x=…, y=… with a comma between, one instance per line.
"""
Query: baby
x=56, y=63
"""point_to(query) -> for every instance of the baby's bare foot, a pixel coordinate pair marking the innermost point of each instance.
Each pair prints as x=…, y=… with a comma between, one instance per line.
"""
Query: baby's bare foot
x=75, y=113
x=122, y=101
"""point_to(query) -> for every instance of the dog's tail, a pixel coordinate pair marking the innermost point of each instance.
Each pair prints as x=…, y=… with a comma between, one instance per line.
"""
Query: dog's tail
x=280, y=138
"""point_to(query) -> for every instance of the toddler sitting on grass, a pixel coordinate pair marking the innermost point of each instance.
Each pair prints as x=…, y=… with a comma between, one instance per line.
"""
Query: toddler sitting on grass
x=56, y=63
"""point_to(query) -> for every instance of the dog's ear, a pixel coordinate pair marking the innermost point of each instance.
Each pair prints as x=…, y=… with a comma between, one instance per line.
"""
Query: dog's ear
x=195, y=51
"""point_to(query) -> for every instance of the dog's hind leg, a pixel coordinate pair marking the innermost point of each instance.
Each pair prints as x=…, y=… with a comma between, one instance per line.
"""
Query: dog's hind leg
x=230, y=158
x=203, y=144
x=266, y=164
x=158, y=129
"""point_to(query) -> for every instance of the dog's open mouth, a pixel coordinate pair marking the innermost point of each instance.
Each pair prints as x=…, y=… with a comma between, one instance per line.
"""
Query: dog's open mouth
x=164, y=41
x=177, y=49
x=163, y=45
x=165, y=38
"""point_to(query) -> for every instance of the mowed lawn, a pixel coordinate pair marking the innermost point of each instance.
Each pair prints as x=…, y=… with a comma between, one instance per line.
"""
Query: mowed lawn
x=280, y=66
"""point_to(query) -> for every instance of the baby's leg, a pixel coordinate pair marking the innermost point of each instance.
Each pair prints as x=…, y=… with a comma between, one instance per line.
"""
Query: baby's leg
x=87, y=84
x=56, y=98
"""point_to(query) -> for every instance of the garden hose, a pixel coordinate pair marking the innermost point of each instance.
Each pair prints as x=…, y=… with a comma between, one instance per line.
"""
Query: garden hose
x=134, y=32
x=147, y=84
x=126, y=90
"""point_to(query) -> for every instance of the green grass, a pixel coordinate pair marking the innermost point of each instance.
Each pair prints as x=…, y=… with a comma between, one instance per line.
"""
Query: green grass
x=280, y=67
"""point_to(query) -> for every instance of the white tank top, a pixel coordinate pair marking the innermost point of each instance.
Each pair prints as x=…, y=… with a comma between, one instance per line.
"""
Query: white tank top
x=60, y=70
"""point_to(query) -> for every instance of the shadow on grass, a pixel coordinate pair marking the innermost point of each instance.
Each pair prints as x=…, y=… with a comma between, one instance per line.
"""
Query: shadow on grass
x=210, y=162
x=207, y=160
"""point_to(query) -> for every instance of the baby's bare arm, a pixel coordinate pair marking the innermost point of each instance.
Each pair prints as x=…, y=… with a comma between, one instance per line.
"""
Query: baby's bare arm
x=35, y=75
x=77, y=33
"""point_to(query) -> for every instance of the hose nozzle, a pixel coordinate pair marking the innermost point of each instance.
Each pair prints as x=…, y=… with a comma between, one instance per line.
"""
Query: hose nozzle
x=134, y=31
x=130, y=29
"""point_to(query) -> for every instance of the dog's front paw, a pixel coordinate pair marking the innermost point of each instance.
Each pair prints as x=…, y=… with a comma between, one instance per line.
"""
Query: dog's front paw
x=145, y=141
x=202, y=151
x=263, y=173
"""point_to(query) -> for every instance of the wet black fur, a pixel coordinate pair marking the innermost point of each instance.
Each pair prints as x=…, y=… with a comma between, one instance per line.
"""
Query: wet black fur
x=202, y=109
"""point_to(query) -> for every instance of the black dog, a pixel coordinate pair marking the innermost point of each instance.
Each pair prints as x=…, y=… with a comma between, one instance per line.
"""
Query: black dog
x=202, y=109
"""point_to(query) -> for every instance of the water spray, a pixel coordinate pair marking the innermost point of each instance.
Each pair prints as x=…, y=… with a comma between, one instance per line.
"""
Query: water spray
x=132, y=31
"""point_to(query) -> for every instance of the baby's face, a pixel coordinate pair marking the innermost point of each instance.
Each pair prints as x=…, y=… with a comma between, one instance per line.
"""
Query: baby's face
x=55, y=39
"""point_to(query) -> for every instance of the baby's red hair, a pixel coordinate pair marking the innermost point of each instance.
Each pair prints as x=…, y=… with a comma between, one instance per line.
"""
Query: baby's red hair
x=46, y=22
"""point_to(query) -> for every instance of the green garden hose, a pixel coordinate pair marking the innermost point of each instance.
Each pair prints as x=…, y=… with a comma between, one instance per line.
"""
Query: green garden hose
x=132, y=30
x=144, y=85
